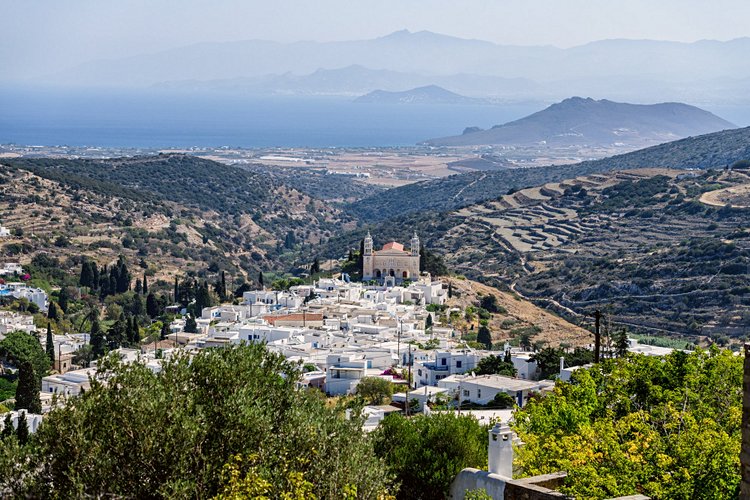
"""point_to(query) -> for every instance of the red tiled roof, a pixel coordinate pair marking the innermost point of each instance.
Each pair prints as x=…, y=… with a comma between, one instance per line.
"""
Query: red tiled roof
x=393, y=246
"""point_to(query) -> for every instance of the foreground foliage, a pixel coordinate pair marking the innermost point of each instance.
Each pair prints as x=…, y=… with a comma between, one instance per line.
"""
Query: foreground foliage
x=201, y=427
x=664, y=427
x=427, y=452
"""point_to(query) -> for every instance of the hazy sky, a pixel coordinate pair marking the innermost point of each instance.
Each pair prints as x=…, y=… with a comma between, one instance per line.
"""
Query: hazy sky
x=39, y=37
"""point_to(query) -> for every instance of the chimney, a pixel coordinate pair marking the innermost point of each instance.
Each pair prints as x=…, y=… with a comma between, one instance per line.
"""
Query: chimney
x=501, y=451
x=562, y=363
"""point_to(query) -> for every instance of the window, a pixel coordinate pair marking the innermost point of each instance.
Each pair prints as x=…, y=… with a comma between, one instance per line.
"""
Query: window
x=420, y=372
x=458, y=364
x=443, y=361
x=479, y=393
x=466, y=393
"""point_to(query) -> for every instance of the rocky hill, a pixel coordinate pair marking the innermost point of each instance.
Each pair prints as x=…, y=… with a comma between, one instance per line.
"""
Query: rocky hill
x=578, y=121
x=716, y=150
x=430, y=94
x=172, y=212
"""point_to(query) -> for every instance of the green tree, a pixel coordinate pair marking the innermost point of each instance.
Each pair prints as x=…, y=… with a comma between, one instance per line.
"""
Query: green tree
x=194, y=419
x=7, y=427
x=96, y=338
x=260, y=280
x=190, y=325
x=87, y=274
x=428, y=323
x=484, y=336
x=63, y=298
x=495, y=365
x=152, y=306
x=375, y=390
x=621, y=343
x=50, y=345
x=664, y=427
x=427, y=452
x=138, y=289
x=164, y=330
x=21, y=347
x=315, y=267
x=22, y=428
x=53, y=311
x=27, y=391
x=145, y=284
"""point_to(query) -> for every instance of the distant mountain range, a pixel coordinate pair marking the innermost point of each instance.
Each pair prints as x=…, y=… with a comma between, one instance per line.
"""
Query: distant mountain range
x=579, y=121
x=430, y=94
x=629, y=70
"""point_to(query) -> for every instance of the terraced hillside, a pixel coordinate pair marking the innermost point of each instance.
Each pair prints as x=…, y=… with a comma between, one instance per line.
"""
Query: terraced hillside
x=637, y=243
x=172, y=213
x=717, y=150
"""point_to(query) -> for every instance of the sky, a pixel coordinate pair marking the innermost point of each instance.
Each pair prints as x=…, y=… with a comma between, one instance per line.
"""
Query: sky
x=40, y=37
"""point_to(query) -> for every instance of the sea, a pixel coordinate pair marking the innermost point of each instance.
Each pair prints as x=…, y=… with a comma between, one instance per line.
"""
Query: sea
x=156, y=118
x=161, y=119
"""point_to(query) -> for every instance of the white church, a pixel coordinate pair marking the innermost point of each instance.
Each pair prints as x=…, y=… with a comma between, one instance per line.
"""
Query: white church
x=392, y=260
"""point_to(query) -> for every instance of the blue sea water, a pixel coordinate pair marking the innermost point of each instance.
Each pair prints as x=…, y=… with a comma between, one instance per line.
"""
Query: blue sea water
x=160, y=119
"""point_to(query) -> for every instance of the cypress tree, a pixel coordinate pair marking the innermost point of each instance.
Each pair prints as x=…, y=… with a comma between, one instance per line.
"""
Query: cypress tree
x=7, y=427
x=190, y=325
x=260, y=280
x=137, y=309
x=50, y=345
x=95, y=275
x=508, y=358
x=87, y=274
x=145, y=284
x=361, y=256
x=96, y=338
x=176, y=291
x=134, y=335
x=164, y=330
x=315, y=268
x=450, y=290
x=428, y=322
x=152, y=306
x=52, y=312
x=484, y=337
x=223, y=286
x=22, y=430
x=118, y=333
x=62, y=299
x=27, y=391
x=138, y=287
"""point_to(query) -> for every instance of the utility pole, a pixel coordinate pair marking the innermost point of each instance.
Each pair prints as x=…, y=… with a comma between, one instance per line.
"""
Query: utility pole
x=597, y=334
x=408, y=382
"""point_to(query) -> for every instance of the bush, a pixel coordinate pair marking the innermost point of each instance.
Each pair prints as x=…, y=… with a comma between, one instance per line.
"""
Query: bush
x=427, y=452
x=375, y=390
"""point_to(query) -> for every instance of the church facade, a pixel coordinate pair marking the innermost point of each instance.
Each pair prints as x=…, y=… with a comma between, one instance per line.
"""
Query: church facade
x=392, y=260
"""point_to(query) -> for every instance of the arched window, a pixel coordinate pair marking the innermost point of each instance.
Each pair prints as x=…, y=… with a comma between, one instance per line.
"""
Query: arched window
x=405, y=274
x=392, y=273
x=378, y=274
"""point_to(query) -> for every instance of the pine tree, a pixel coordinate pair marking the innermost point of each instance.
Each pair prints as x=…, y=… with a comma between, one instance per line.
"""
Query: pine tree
x=260, y=280
x=621, y=343
x=96, y=338
x=190, y=325
x=27, y=390
x=145, y=284
x=22, y=429
x=7, y=427
x=50, y=345
x=152, y=306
